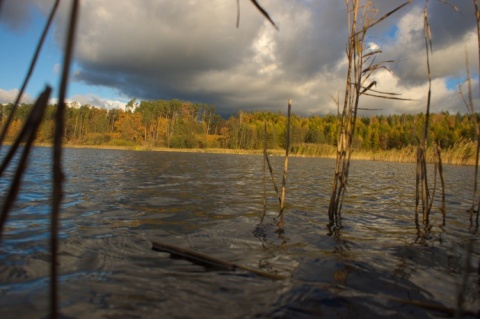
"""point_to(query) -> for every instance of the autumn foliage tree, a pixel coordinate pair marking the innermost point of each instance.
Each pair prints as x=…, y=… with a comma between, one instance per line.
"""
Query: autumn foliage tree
x=180, y=124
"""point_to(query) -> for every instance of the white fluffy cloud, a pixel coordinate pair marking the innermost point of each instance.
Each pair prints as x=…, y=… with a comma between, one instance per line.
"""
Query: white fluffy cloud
x=192, y=50
x=9, y=96
x=91, y=99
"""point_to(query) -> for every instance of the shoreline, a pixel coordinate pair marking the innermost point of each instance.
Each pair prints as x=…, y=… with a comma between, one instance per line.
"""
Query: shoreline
x=407, y=155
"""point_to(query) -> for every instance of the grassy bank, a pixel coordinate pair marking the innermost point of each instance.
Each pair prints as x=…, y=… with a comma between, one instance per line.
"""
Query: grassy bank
x=276, y=152
x=462, y=153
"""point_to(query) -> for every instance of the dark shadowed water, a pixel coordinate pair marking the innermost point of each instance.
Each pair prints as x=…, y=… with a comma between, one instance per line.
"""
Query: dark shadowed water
x=117, y=202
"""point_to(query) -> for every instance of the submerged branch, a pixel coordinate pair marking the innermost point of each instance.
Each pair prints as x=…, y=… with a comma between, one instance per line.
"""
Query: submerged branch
x=210, y=261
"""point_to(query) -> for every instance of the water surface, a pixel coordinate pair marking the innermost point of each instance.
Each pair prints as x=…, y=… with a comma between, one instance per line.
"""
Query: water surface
x=117, y=202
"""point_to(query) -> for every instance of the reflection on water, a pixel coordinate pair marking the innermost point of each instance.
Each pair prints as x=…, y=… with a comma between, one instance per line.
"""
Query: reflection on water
x=356, y=264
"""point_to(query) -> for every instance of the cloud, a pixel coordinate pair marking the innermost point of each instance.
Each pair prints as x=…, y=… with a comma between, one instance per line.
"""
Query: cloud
x=15, y=14
x=192, y=50
x=443, y=99
x=446, y=59
x=9, y=96
x=92, y=99
x=57, y=69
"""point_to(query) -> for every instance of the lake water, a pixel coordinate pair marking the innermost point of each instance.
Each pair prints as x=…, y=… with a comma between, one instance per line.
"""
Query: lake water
x=117, y=202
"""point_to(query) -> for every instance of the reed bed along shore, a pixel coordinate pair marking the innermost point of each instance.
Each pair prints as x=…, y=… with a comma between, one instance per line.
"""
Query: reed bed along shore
x=462, y=153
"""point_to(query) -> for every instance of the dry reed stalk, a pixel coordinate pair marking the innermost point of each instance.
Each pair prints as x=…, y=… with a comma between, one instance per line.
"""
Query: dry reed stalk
x=267, y=160
x=262, y=11
x=422, y=188
x=473, y=117
x=273, y=179
x=58, y=176
x=438, y=151
x=434, y=186
x=29, y=73
x=27, y=135
x=422, y=148
x=361, y=66
x=265, y=155
x=281, y=223
x=471, y=110
x=29, y=128
x=438, y=167
x=342, y=146
x=265, y=13
x=424, y=184
x=477, y=15
x=418, y=174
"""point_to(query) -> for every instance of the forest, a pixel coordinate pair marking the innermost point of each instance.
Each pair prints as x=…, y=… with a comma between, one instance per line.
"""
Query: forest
x=181, y=124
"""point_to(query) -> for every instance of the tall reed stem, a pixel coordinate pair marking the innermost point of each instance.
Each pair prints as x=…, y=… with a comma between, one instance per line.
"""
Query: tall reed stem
x=422, y=189
x=438, y=152
x=340, y=179
x=58, y=176
x=360, y=67
x=27, y=134
x=477, y=15
x=265, y=156
x=474, y=119
x=285, y=166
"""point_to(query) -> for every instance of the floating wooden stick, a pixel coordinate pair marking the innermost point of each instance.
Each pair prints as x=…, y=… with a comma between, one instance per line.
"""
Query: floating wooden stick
x=205, y=260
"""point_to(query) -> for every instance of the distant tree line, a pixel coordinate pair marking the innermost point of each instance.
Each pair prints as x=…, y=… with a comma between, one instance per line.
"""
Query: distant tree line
x=180, y=124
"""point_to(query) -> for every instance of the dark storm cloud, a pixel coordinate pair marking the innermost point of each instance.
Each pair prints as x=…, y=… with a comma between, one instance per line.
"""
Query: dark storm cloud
x=191, y=50
x=187, y=51
x=159, y=47
x=311, y=37
x=161, y=51
x=449, y=25
x=15, y=14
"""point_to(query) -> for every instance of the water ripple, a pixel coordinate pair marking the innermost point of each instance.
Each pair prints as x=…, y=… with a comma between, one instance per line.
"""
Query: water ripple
x=117, y=202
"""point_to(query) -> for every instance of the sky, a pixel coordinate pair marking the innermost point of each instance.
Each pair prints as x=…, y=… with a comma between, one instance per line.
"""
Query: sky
x=192, y=50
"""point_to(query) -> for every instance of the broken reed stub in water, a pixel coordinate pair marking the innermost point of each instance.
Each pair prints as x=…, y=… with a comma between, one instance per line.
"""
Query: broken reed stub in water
x=209, y=261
